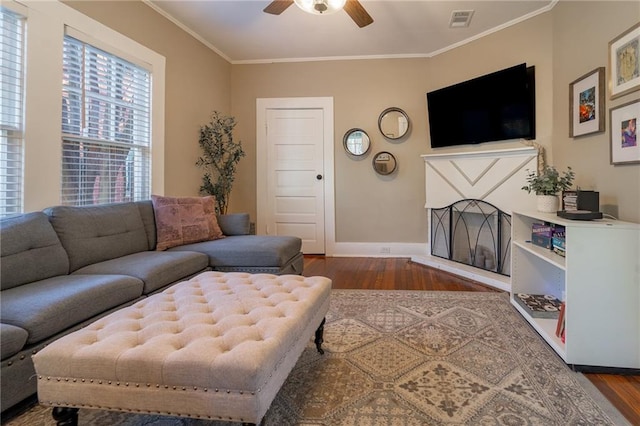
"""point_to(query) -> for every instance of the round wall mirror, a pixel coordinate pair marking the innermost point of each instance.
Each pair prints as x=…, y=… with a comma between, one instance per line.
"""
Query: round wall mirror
x=393, y=123
x=356, y=142
x=384, y=163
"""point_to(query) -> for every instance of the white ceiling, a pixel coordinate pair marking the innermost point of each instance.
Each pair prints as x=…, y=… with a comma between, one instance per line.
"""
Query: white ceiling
x=242, y=33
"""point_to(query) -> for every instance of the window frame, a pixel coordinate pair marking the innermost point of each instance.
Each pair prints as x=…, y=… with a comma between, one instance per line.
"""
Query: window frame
x=47, y=23
x=12, y=151
x=104, y=161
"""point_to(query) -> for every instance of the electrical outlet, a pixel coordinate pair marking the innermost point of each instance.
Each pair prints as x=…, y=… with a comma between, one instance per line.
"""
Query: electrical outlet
x=385, y=250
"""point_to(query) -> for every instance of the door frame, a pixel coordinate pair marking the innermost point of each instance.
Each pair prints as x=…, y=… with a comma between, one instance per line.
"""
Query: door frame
x=326, y=104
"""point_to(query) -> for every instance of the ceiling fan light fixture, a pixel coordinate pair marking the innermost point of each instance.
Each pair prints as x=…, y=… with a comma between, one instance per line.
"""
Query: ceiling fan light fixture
x=320, y=7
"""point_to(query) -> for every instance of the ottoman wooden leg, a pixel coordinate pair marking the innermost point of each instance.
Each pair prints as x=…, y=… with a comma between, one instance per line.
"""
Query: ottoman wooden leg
x=319, y=334
x=65, y=416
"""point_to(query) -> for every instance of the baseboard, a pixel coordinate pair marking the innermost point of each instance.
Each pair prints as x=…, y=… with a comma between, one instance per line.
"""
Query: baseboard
x=494, y=280
x=378, y=249
x=593, y=369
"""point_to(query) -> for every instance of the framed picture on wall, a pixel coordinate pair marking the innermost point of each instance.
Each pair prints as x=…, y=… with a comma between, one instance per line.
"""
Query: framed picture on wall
x=586, y=104
x=624, y=62
x=625, y=146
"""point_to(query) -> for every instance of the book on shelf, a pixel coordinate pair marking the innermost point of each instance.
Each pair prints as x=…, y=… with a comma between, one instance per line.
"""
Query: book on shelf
x=561, y=321
x=569, y=200
x=539, y=305
x=558, y=241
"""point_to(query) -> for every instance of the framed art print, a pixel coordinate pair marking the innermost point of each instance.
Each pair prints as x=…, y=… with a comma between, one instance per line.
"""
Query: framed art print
x=625, y=146
x=586, y=104
x=624, y=62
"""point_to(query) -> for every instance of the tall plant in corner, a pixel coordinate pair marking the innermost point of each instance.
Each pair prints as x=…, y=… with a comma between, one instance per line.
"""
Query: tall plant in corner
x=220, y=156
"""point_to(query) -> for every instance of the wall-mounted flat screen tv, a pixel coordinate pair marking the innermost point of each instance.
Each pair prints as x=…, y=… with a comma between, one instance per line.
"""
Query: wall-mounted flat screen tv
x=495, y=107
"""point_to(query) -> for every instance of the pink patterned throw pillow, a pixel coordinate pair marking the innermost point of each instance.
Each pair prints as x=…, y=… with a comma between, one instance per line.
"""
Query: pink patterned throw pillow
x=184, y=220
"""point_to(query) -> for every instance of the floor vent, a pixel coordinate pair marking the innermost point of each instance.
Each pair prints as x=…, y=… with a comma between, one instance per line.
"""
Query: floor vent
x=460, y=18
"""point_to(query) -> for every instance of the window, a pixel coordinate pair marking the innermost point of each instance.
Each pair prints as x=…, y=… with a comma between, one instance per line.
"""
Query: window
x=105, y=127
x=11, y=111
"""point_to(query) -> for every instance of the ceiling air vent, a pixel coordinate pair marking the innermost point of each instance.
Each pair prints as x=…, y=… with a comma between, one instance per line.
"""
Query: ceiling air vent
x=460, y=18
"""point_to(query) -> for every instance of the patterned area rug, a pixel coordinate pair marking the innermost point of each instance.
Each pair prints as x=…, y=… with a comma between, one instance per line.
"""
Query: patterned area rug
x=416, y=358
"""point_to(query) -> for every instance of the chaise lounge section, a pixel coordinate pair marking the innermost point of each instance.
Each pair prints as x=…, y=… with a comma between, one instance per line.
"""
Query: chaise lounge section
x=65, y=267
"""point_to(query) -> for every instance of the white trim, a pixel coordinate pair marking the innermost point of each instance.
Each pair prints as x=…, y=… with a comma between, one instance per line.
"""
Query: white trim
x=497, y=153
x=16, y=7
x=113, y=50
x=498, y=281
x=46, y=23
x=496, y=29
x=378, y=249
x=326, y=104
x=353, y=57
x=186, y=29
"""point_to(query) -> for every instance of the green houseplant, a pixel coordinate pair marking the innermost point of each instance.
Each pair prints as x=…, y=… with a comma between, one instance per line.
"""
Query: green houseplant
x=549, y=181
x=547, y=184
x=219, y=159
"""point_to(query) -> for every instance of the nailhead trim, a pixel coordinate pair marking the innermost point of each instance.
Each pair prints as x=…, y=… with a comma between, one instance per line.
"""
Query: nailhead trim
x=148, y=385
x=137, y=410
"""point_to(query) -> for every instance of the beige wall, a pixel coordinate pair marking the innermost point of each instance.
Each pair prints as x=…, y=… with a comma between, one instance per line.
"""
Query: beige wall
x=563, y=44
x=371, y=208
x=197, y=82
x=582, y=31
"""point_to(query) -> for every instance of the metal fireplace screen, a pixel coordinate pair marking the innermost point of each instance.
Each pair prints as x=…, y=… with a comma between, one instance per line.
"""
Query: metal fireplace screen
x=473, y=232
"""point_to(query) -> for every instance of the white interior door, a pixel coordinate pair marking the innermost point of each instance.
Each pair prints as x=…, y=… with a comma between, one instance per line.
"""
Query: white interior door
x=294, y=175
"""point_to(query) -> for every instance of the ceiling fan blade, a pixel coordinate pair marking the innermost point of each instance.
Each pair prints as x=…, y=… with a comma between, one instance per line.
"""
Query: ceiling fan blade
x=357, y=13
x=276, y=7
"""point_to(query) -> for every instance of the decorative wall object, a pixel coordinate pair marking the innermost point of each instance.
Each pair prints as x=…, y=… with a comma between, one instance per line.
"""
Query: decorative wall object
x=384, y=163
x=356, y=142
x=586, y=104
x=624, y=62
x=394, y=123
x=625, y=146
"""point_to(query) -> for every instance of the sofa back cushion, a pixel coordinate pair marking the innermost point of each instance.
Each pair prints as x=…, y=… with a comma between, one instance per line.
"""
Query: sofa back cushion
x=146, y=212
x=235, y=223
x=30, y=250
x=97, y=233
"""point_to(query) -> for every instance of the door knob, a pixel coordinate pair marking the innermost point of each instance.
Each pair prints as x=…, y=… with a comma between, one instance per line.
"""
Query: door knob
x=319, y=177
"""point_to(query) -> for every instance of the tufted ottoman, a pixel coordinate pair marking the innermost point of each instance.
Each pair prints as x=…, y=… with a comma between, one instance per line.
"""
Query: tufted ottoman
x=218, y=346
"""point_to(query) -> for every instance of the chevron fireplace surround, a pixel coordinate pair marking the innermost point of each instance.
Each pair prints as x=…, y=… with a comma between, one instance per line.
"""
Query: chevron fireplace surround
x=495, y=177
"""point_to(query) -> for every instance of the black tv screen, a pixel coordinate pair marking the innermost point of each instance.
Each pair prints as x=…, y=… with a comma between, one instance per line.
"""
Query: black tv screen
x=495, y=107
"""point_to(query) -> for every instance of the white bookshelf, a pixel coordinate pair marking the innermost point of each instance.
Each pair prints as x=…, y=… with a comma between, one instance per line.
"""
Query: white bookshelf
x=599, y=279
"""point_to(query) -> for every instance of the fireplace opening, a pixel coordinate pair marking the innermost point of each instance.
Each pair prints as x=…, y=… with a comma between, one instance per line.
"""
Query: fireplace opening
x=473, y=232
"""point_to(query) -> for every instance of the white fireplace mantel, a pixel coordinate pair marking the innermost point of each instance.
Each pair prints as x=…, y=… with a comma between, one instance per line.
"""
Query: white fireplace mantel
x=493, y=176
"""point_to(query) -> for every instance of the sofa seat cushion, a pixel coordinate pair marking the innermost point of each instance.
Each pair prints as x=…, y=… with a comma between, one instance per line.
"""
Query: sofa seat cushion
x=248, y=250
x=47, y=307
x=12, y=339
x=30, y=249
x=155, y=268
x=94, y=234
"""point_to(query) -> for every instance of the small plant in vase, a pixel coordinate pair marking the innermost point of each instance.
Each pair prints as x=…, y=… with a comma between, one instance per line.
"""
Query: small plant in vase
x=547, y=184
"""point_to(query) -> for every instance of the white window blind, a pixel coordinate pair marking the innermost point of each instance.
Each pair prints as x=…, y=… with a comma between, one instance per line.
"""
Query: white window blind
x=105, y=127
x=11, y=111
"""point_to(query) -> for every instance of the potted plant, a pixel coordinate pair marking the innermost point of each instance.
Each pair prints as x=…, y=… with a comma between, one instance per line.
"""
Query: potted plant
x=547, y=184
x=220, y=156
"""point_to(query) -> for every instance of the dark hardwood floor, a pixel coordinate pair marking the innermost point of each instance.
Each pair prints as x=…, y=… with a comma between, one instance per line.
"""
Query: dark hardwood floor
x=401, y=274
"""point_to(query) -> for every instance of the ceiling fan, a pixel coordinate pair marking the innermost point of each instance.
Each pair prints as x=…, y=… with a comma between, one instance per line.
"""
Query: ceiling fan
x=319, y=7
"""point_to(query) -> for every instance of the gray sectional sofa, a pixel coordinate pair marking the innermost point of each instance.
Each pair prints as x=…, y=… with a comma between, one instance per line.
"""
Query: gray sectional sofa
x=64, y=267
